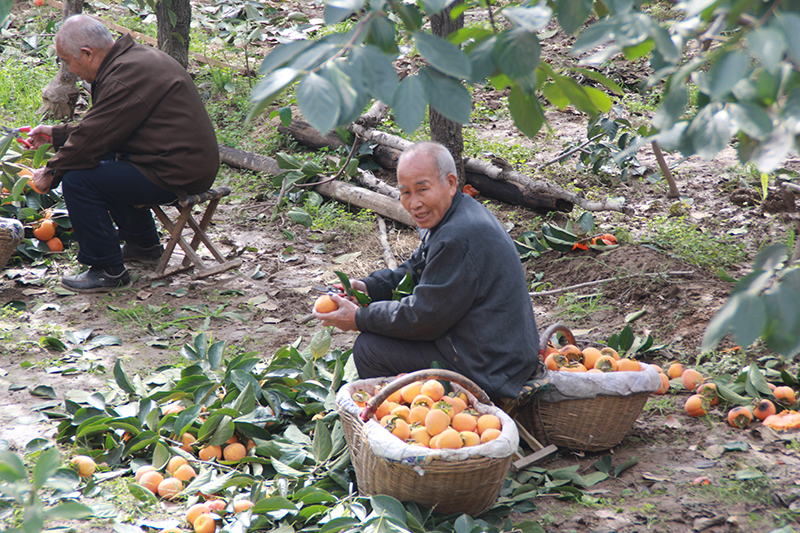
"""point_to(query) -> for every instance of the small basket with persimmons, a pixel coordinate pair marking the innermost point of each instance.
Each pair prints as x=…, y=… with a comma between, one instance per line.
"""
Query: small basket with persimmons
x=410, y=440
x=588, y=409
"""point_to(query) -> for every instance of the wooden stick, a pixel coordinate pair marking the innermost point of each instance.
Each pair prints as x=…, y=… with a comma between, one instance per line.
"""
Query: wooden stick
x=618, y=278
x=388, y=256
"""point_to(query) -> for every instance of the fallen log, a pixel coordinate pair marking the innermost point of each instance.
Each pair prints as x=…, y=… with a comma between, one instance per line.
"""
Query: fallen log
x=498, y=173
x=386, y=155
x=343, y=192
x=366, y=199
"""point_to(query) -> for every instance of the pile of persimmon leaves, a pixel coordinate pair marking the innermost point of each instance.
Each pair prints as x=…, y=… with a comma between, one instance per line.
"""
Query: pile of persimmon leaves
x=299, y=475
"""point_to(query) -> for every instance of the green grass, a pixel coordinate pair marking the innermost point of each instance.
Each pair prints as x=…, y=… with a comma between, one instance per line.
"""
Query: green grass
x=21, y=82
x=686, y=240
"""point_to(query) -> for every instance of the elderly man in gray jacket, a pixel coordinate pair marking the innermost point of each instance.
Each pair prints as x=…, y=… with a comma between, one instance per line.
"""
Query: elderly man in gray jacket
x=470, y=308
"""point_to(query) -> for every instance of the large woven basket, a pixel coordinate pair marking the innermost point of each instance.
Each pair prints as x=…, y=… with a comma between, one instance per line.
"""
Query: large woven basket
x=11, y=232
x=445, y=482
x=590, y=424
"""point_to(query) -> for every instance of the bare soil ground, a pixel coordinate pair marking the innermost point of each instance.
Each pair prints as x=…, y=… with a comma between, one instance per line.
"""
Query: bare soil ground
x=262, y=313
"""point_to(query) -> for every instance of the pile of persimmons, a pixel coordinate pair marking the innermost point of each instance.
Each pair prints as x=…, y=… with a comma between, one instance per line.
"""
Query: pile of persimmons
x=421, y=414
x=739, y=416
x=570, y=358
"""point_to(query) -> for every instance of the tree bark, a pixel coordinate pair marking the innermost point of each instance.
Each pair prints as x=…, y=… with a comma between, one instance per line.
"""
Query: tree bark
x=60, y=96
x=385, y=204
x=174, y=38
x=443, y=130
x=366, y=199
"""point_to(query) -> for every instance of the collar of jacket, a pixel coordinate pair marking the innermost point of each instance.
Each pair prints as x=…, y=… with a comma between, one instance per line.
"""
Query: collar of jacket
x=424, y=234
x=119, y=47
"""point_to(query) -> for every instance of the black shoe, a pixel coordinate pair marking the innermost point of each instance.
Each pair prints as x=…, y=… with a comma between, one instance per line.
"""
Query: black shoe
x=96, y=280
x=134, y=252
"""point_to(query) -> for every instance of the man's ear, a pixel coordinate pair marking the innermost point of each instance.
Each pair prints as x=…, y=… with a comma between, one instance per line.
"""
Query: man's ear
x=452, y=183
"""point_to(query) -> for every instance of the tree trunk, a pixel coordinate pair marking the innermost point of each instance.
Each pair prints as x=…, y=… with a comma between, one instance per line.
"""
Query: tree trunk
x=443, y=130
x=174, y=38
x=61, y=94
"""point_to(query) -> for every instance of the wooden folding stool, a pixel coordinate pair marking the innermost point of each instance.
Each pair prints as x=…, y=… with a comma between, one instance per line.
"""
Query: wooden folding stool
x=175, y=229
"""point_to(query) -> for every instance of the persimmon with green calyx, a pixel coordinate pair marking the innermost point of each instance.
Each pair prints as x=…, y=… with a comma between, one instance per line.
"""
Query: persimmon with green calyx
x=696, y=405
x=709, y=390
x=740, y=417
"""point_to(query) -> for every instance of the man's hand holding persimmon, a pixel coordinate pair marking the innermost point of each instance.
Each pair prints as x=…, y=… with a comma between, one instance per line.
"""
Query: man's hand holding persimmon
x=42, y=179
x=343, y=318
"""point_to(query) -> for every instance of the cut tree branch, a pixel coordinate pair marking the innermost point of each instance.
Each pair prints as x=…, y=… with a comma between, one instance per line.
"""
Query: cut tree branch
x=388, y=256
x=618, y=278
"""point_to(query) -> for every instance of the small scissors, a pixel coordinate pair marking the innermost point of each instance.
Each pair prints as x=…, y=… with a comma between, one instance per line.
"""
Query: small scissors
x=23, y=129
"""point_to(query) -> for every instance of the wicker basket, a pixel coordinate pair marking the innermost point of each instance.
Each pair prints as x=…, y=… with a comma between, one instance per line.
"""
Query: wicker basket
x=440, y=479
x=590, y=424
x=11, y=232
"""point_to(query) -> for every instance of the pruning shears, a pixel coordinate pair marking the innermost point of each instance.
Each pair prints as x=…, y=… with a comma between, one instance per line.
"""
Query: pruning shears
x=23, y=129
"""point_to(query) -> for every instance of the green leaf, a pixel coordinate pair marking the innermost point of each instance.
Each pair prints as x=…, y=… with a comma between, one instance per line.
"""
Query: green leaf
x=516, y=53
x=572, y=14
x=594, y=478
x=300, y=216
x=526, y=111
x=318, y=101
x=446, y=95
x=68, y=510
x=52, y=343
x=44, y=391
x=626, y=338
x=381, y=33
x=320, y=344
x=122, y=378
x=383, y=505
x=161, y=455
x=768, y=45
x=11, y=468
x=409, y=103
x=46, y=466
x=743, y=316
x=626, y=465
x=281, y=55
x=531, y=19
x=604, y=464
x=313, y=495
x=726, y=72
x=710, y=130
x=142, y=494
x=274, y=503
x=481, y=59
x=756, y=379
x=442, y=55
x=269, y=88
x=727, y=394
x=380, y=78
x=322, y=445
x=586, y=222
x=636, y=315
x=215, y=354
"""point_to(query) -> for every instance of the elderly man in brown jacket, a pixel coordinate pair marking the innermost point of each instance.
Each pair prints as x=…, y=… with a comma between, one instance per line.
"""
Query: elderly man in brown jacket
x=147, y=139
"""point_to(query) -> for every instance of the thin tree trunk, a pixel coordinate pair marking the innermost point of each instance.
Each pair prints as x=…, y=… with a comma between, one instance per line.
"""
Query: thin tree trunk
x=173, y=38
x=61, y=94
x=443, y=130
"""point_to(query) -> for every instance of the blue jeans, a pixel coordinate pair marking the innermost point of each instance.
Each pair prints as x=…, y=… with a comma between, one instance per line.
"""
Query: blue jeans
x=97, y=198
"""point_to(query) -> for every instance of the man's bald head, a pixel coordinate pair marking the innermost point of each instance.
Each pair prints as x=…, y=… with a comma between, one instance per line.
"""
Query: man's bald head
x=82, y=31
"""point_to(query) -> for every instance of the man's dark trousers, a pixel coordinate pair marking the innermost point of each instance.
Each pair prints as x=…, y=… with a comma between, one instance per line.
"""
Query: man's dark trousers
x=112, y=188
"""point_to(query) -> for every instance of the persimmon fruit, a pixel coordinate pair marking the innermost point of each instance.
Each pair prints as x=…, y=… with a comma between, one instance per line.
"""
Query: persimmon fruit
x=709, y=390
x=696, y=405
x=488, y=421
x=325, y=304
x=691, y=379
x=234, y=452
x=205, y=523
x=590, y=356
x=410, y=391
x=85, y=464
x=196, y=510
x=606, y=363
x=628, y=365
x=55, y=245
x=675, y=370
x=470, y=438
x=206, y=453
x=763, y=409
x=464, y=422
x=169, y=488
x=450, y=439
x=786, y=394
x=489, y=434
x=242, y=505
x=185, y=473
x=664, y=387
x=433, y=389
x=436, y=421
x=740, y=417
x=174, y=463
x=151, y=480
x=45, y=231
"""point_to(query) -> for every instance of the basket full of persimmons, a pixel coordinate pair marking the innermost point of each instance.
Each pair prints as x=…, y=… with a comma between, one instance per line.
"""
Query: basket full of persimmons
x=592, y=396
x=431, y=437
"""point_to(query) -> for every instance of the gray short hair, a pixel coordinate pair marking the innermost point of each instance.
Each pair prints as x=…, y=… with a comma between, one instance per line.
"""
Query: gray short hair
x=82, y=31
x=440, y=156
